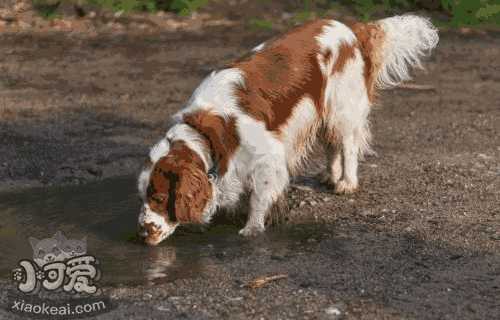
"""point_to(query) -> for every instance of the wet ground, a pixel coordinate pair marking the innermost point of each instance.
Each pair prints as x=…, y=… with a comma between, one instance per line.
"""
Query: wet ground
x=421, y=240
x=346, y=266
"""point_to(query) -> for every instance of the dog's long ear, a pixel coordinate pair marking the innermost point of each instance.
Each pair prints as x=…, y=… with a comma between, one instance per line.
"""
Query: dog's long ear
x=192, y=194
x=220, y=132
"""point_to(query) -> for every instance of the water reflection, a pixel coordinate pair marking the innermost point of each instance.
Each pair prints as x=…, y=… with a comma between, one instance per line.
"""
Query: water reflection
x=106, y=214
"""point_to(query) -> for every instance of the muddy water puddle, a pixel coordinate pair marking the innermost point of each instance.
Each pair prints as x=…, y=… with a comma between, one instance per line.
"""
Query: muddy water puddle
x=105, y=213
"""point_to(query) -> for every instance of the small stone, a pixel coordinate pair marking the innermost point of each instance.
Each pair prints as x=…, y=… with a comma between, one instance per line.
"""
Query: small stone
x=490, y=230
x=367, y=213
x=302, y=187
x=495, y=237
x=22, y=6
x=23, y=25
x=302, y=203
x=333, y=312
x=313, y=202
x=326, y=199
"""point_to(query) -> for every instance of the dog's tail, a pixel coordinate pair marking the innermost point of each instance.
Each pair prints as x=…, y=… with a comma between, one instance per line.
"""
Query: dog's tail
x=393, y=46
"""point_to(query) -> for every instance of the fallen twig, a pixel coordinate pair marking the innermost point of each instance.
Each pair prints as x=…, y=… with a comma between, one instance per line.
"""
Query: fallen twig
x=262, y=281
x=413, y=86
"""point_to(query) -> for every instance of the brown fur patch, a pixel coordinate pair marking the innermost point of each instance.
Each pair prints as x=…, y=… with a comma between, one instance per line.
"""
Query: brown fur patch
x=221, y=135
x=179, y=188
x=285, y=71
x=346, y=53
x=370, y=39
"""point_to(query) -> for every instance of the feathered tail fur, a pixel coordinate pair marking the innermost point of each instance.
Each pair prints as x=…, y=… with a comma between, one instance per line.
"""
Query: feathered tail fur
x=392, y=47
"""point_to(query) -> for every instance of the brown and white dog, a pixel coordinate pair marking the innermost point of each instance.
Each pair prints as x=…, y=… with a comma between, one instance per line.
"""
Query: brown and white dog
x=248, y=127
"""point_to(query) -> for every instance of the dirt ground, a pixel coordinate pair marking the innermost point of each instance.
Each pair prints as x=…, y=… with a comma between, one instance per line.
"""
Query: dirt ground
x=420, y=240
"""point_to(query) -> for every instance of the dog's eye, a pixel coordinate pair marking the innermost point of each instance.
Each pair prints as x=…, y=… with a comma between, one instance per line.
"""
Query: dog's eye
x=41, y=253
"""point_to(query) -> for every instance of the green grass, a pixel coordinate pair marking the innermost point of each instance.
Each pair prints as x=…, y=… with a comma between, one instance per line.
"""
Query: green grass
x=260, y=24
x=48, y=8
x=460, y=12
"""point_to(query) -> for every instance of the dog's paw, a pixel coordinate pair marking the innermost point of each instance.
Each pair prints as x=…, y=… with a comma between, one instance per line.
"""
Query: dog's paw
x=327, y=178
x=251, y=230
x=344, y=187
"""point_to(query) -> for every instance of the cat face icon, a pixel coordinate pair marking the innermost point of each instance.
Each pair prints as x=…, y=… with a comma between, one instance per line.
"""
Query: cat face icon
x=46, y=250
x=57, y=248
x=72, y=247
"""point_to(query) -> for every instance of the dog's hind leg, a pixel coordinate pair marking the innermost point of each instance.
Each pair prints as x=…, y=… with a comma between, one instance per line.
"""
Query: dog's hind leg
x=347, y=122
x=268, y=181
x=333, y=172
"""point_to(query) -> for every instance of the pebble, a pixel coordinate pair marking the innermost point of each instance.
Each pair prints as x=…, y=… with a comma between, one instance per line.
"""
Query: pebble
x=334, y=312
x=235, y=298
x=495, y=237
x=302, y=203
x=23, y=25
x=366, y=213
x=312, y=202
x=302, y=187
x=490, y=230
x=162, y=308
x=484, y=156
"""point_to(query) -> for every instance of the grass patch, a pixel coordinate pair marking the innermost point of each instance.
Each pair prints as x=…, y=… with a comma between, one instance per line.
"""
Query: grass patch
x=260, y=24
x=460, y=12
x=48, y=8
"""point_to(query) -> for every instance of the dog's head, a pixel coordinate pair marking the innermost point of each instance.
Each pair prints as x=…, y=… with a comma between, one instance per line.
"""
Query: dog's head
x=175, y=189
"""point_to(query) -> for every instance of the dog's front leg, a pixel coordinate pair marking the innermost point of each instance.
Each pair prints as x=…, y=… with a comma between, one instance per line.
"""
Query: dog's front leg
x=268, y=181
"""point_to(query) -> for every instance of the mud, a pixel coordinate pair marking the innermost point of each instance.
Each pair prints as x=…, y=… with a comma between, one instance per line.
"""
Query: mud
x=421, y=239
